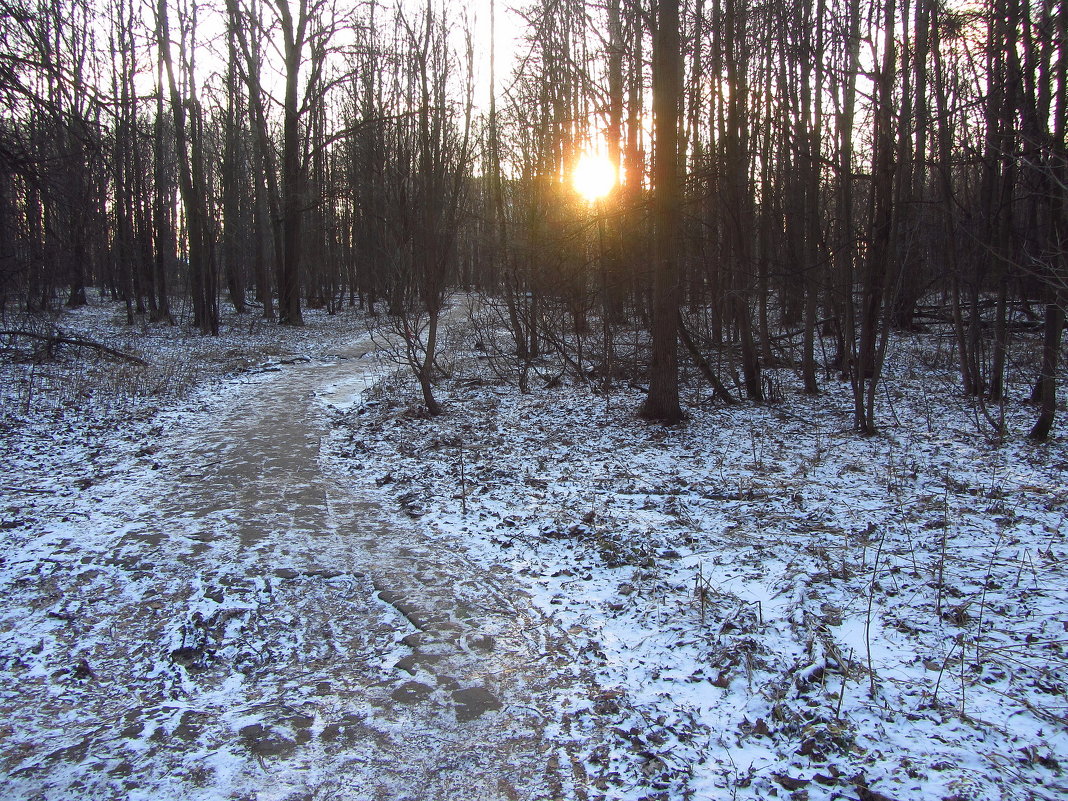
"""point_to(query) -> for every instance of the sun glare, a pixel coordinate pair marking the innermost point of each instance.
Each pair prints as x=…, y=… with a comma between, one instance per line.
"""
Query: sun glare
x=594, y=176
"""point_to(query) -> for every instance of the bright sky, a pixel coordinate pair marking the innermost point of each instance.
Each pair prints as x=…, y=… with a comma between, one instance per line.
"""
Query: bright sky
x=509, y=30
x=509, y=26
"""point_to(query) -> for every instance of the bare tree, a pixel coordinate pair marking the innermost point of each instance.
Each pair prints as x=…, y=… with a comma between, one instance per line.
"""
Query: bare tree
x=435, y=141
x=188, y=133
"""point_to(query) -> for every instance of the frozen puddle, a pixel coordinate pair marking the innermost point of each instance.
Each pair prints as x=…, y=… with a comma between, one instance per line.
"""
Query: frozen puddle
x=232, y=620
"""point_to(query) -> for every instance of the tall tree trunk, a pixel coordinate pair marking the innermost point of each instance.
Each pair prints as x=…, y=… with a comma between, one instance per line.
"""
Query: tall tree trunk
x=190, y=183
x=946, y=244
x=232, y=222
x=662, y=399
x=880, y=261
x=289, y=273
x=163, y=231
x=813, y=97
x=844, y=224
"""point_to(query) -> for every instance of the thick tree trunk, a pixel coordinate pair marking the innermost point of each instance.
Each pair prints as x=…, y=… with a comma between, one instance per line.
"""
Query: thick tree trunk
x=880, y=263
x=662, y=399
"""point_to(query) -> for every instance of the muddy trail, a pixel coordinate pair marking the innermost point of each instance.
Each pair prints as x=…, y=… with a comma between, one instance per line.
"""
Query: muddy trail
x=227, y=617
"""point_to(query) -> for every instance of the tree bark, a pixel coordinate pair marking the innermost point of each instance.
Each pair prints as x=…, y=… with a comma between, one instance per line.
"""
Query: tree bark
x=293, y=32
x=662, y=399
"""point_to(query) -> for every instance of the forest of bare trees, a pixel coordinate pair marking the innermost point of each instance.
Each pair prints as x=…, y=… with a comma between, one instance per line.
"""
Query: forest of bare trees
x=799, y=180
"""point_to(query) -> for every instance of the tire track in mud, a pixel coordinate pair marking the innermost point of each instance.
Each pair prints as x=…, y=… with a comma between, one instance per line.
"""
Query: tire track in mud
x=244, y=624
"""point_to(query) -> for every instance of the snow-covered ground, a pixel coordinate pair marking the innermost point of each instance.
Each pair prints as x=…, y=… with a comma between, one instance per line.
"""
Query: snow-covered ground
x=146, y=649
x=199, y=605
x=760, y=602
x=773, y=605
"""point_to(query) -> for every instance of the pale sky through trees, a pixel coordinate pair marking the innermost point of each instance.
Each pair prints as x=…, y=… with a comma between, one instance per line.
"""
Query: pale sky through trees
x=210, y=52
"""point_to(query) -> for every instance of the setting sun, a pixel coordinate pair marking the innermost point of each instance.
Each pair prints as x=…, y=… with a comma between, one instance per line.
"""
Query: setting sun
x=594, y=176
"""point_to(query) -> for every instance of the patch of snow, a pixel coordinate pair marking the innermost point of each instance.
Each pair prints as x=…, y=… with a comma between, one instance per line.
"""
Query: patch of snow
x=770, y=603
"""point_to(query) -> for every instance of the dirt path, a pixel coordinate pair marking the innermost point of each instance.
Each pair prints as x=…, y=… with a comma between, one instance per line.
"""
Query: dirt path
x=232, y=620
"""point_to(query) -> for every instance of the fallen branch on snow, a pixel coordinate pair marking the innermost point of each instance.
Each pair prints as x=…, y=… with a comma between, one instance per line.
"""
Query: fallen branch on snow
x=52, y=340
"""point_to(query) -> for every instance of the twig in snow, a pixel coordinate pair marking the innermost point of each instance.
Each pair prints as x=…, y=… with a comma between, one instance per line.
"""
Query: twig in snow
x=867, y=621
x=942, y=553
x=463, y=477
x=982, y=597
x=958, y=640
x=841, y=692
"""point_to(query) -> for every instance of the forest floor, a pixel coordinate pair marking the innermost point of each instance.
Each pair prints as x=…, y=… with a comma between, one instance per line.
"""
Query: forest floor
x=196, y=606
x=755, y=603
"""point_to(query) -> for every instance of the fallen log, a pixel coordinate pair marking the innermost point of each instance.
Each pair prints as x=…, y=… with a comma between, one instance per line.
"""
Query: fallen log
x=53, y=340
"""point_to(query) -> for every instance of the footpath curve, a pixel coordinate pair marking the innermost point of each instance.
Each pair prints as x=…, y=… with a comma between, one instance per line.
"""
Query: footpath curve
x=236, y=620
